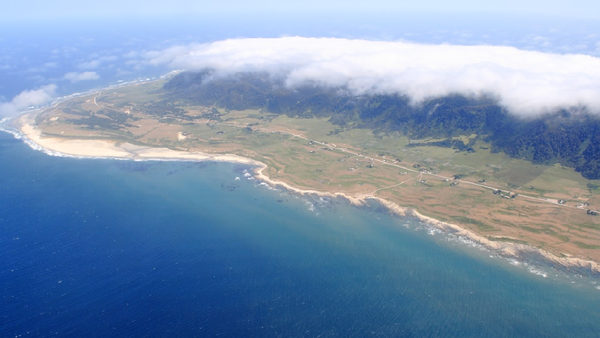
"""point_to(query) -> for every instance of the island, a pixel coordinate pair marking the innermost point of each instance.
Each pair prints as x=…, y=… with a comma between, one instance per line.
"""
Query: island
x=456, y=177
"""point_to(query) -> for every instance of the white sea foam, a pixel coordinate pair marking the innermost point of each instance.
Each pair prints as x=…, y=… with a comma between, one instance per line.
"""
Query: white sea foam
x=433, y=231
x=268, y=186
x=515, y=262
x=538, y=271
x=248, y=176
x=6, y=128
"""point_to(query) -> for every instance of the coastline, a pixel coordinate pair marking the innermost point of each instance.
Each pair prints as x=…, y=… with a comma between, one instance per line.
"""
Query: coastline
x=507, y=250
x=126, y=151
x=107, y=149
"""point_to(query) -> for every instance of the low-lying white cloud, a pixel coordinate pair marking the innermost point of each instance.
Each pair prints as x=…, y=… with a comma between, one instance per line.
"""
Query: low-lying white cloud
x=28, y=98
x=96, y=63
x=525, y=82
x=83, y=76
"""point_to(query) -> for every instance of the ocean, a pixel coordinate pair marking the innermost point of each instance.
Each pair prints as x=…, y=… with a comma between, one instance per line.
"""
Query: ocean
x=116, y=248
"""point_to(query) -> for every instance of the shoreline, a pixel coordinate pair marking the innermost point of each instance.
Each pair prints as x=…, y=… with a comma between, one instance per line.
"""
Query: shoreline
x=508, y=250
x=103, y=149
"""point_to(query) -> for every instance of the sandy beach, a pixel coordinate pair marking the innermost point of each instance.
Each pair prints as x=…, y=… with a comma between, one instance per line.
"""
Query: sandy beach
x=106, y=148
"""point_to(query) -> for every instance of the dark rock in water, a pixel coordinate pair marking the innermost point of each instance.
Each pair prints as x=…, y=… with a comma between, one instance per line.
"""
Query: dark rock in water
x=133, y=166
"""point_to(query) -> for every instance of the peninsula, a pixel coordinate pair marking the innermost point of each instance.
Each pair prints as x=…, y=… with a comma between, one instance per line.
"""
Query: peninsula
x=457, y=183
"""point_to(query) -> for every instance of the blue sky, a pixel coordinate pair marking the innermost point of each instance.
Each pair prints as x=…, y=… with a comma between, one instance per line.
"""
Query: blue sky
x=558, y=26
x=61, y=9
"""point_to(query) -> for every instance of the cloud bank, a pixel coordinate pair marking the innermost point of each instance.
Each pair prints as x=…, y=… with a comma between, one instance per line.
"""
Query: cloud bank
x=525, y=82
x=83, y=76
x=26, y=99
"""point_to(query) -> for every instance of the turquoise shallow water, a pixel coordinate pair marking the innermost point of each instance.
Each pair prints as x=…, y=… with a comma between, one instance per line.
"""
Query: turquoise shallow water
x=96, y=248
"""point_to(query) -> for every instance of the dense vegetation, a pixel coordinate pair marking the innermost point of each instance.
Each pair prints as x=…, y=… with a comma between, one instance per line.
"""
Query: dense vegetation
x=570, y=139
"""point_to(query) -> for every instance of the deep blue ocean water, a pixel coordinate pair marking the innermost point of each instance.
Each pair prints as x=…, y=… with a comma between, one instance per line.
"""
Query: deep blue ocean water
x=109, y=248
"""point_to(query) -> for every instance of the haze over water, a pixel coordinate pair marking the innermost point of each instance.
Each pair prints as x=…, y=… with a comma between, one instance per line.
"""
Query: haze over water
x=100, y=248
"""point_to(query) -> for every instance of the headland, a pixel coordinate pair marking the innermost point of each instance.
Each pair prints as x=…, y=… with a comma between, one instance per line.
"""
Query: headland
x=309, y=156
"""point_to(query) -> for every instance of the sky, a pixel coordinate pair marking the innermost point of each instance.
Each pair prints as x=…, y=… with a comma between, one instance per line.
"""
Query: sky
x=60, y=9
x=55, y=48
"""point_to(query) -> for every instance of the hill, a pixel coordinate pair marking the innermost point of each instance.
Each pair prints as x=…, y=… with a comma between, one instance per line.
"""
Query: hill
x=571, y=139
